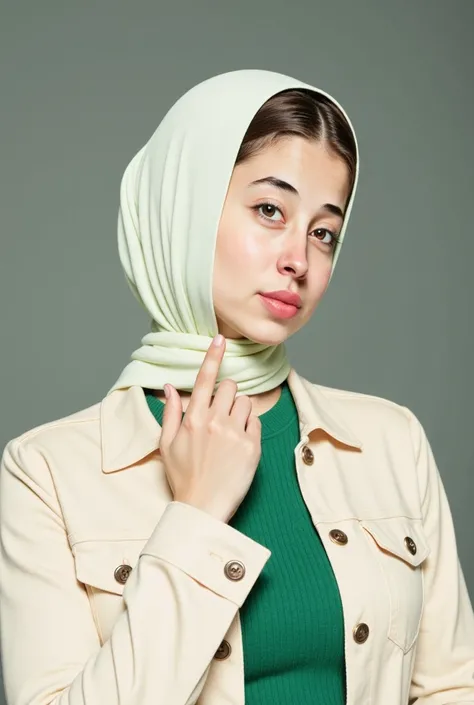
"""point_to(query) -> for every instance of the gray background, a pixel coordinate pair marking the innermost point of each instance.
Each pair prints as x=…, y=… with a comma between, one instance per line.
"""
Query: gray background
x=84, y=85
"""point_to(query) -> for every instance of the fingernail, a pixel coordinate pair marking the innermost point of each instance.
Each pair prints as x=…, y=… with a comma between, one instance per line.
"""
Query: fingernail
x=218, y=340
x=167, y=391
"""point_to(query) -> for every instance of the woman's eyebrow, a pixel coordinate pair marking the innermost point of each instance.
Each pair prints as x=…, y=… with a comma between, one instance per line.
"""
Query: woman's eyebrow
x=285, y=186
x=278, y=183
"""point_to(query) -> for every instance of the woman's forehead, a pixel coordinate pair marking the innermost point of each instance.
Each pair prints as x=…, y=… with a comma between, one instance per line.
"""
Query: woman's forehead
x=295, y=166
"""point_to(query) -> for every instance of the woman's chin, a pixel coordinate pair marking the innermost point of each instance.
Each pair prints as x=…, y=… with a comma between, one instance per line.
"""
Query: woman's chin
x=264, y=332
x=268, y=337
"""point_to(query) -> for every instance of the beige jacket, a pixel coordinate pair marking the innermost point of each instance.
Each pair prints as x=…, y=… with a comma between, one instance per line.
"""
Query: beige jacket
x=113, y=594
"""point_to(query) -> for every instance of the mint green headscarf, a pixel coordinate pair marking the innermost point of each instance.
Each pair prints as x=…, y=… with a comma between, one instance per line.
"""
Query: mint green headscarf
x=171, y=198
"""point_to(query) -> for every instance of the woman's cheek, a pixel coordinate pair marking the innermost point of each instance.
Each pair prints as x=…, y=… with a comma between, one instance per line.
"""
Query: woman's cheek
x=253, y=248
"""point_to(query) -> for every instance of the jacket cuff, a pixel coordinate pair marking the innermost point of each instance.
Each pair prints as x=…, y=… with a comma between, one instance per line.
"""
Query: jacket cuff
x=202, y=546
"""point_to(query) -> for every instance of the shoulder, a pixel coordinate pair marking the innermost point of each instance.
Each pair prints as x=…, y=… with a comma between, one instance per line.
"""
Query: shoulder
x=390, y=434
x=361, y=405
x=371, y=418
x=352, y=402
x=39, y=439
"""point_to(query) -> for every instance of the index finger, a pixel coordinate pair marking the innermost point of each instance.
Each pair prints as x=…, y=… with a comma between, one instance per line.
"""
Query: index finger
x=206, y=378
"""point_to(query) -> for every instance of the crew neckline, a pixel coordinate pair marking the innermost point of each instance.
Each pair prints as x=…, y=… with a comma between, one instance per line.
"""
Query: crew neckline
x=274, y=420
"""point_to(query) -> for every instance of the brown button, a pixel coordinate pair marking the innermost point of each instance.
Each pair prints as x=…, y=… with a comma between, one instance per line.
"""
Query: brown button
x=361, y=633
x=223, y=651
x=308, y=457
x=122, y=572
x=234, y=570
x=410, y=544
x=338, y=537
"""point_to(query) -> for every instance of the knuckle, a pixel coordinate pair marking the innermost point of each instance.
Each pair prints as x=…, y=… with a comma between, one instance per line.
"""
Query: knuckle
x=230, y=383
x=214, y=426
x=189, y=422
x=234, y=437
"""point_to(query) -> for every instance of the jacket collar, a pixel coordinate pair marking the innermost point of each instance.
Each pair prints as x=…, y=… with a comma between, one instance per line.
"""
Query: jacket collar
x=130, y=432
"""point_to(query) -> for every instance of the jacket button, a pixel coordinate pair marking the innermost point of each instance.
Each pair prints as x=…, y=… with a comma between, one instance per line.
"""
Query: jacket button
x=223, y=651
x=410, y=544
x=121, y=573
x=360, y=633
x=308, y=457
x=338, y=537
x=234, y=570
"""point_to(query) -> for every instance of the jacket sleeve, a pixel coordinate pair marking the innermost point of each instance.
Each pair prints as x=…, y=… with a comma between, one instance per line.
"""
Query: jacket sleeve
x=179, y=602
x=444, y=660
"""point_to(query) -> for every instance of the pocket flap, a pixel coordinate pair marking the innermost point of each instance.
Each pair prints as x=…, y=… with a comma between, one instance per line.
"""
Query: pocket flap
x=97, y=561
x=393, y=535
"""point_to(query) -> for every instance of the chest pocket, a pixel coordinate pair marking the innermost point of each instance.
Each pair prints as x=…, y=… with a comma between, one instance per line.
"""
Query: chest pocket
x=104, y=568
x=400, y=546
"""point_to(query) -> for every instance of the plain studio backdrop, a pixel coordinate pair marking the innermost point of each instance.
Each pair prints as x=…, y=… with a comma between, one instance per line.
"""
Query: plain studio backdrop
x=84, y=85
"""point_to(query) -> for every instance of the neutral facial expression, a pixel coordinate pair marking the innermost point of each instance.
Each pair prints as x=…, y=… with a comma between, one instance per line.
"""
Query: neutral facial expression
x=282, y=214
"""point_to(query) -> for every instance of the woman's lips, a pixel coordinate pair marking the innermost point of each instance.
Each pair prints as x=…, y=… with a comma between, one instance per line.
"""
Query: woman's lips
x=278, y=308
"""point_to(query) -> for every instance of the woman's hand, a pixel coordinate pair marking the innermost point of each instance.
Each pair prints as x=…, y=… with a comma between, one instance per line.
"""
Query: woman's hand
x=212, y=454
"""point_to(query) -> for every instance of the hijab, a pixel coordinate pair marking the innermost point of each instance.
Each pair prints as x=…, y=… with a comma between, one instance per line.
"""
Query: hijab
x=171, y=198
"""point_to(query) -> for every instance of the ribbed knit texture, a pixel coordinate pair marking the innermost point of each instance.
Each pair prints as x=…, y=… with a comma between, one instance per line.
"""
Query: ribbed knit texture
x=292, y=620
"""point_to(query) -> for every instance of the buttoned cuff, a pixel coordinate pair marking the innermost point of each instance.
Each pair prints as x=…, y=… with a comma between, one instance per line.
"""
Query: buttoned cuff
x=209, y=550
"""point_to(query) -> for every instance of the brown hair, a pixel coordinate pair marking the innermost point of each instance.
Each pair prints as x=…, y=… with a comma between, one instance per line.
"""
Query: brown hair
x=303, y=113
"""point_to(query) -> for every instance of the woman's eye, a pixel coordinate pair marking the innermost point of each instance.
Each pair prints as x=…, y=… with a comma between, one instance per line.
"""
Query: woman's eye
x=268, y=210
x=332, y=235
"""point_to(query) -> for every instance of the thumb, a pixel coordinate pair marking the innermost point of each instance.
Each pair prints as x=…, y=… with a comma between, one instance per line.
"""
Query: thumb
x=171, y=417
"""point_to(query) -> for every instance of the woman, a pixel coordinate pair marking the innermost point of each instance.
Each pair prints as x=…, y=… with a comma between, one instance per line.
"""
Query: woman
x=283, y=541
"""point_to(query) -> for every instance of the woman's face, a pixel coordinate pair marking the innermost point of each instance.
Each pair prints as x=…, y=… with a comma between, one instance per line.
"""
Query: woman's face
x=275, y=237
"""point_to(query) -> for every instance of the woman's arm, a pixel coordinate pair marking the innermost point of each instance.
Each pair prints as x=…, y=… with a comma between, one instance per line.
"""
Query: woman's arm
x=444, y=660
x=179, y=603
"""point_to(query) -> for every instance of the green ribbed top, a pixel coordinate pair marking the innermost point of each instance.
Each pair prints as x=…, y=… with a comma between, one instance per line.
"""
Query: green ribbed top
x=292, y=620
